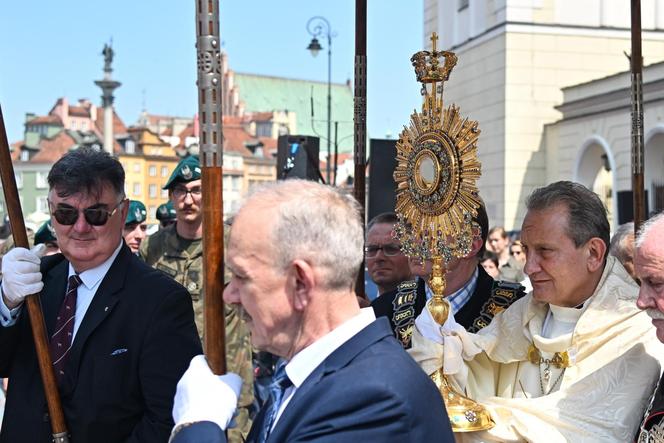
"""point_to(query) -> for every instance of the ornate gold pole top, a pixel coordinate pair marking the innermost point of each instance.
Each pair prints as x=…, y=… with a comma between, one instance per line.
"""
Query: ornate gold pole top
x=427, y=67
x=437, y=196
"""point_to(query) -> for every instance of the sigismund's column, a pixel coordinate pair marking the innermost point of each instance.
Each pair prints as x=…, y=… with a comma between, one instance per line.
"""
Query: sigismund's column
x=107, y=86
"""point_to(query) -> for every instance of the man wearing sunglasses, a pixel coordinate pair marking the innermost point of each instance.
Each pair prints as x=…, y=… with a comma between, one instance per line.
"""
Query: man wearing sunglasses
x=177, y=250
x=120, y=334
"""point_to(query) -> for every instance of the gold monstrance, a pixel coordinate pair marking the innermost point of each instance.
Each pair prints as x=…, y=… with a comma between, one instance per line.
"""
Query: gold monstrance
x=436, y=199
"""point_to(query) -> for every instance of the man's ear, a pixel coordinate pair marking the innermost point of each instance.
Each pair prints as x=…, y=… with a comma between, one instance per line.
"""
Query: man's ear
x=304, y=279
x=596, y=250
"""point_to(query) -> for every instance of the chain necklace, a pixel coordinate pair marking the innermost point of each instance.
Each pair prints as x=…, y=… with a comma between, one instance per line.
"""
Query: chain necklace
x=560, y=360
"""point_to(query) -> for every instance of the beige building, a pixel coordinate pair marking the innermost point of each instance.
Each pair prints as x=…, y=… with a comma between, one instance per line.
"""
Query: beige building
x=515, y=58
x=591, y=143
x=148, y=163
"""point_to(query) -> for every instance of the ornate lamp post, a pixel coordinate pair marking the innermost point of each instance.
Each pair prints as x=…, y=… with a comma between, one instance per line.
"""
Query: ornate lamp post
x=320, y=27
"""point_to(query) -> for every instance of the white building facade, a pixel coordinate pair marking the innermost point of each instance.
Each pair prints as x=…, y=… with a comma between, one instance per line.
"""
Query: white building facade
x=515, y=58
x=591, y=143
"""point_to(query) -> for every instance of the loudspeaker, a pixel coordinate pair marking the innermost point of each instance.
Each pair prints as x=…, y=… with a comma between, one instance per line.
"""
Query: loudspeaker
x=626, y=206
x=382, y=187
x=297, y=157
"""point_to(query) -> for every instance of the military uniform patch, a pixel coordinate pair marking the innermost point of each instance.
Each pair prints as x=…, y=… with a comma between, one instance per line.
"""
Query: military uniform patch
x=503, y=294
x=186, y=172
x=404, y=311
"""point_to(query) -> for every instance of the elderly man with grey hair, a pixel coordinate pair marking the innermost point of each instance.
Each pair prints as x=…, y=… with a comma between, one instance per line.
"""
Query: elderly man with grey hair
x=649, y=268
x=622, y=246
x=294, y=252
x=571, y=361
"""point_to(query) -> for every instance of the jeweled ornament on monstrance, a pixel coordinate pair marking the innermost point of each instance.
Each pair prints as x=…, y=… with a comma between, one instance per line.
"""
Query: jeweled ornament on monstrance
x=437, y=198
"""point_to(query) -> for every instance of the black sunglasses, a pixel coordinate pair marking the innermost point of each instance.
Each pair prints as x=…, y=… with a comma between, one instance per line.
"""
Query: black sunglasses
x=67, y=215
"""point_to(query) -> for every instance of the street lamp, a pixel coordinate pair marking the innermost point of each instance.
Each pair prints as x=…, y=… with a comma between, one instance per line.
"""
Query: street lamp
x=320, y=27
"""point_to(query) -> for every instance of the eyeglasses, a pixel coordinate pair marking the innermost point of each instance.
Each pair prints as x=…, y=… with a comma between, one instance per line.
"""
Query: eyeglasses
x=181, y=192
x=389, y=250
x=68, y=215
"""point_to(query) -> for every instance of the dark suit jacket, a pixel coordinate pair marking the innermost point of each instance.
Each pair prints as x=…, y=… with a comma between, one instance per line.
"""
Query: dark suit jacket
x=368, y=390
x=133, y=345
x=654, y=415
x=384, y=306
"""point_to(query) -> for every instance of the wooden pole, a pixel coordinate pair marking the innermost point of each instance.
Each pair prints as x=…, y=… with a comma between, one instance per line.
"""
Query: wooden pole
x=32, y=304
x=638, y=194
x=208, y=47
x=360, y=120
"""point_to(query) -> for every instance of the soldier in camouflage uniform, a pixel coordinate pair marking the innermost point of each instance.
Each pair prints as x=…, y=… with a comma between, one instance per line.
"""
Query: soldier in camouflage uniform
x=134, y=231
x=166, y=214
x=177, y=250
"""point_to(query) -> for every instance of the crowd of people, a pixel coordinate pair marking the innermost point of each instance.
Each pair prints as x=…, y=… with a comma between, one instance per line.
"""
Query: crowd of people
x=557, y=333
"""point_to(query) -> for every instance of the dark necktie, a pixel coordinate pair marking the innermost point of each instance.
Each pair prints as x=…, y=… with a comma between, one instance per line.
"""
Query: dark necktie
x=280, y=382
x=63, y=334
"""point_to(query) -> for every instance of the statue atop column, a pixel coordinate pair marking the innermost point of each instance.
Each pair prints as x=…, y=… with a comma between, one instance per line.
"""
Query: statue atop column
x=107, y=52
x=108, y=85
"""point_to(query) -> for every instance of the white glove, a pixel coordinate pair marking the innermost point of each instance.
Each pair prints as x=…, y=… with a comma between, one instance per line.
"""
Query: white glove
x=20, y=274
x=458, y=344
x=203, y=396
x=432, y=330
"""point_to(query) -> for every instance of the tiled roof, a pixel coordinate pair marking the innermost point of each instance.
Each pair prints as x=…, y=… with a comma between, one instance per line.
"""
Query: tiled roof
x=262, y=116
x=187, y=132
x=15, y=150
x=79, y=111
x=234, y=139
x=269, y=146
x=51, y=149
x=235, y=120
x=45, y=119
x=145, y=136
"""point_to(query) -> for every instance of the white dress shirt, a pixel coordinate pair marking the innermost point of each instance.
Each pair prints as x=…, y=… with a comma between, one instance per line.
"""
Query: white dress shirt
x=91, y=279
x=304, y=362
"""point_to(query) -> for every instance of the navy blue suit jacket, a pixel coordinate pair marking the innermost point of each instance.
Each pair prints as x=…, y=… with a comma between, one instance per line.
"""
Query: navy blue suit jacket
x=133, y=345
x=368, y=390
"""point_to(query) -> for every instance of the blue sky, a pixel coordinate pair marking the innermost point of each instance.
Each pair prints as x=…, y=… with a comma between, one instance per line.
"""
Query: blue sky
x=51, y=49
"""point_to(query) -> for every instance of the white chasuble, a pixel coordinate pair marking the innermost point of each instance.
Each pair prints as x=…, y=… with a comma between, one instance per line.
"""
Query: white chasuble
x=614, y=360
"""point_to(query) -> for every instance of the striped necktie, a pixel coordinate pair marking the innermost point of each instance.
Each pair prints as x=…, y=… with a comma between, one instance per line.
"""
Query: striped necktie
x=280, y=382
x=63, y=334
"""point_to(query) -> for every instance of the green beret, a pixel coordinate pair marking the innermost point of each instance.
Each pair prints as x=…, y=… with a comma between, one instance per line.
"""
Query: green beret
x=166, y=211
x=136, y=212
x=189, y=169
x=45, y=233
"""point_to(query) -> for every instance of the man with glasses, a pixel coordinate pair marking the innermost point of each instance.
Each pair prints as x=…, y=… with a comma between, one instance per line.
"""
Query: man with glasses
x=177, y=250
x=387, y=265
x=473, y=294
x=120, y=334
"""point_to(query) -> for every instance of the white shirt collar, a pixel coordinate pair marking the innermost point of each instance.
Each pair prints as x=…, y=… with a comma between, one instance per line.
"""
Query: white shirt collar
x=92, y=277
x=304, y=362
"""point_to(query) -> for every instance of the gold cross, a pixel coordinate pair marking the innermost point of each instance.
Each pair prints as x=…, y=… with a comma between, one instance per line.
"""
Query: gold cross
x=434, y=38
